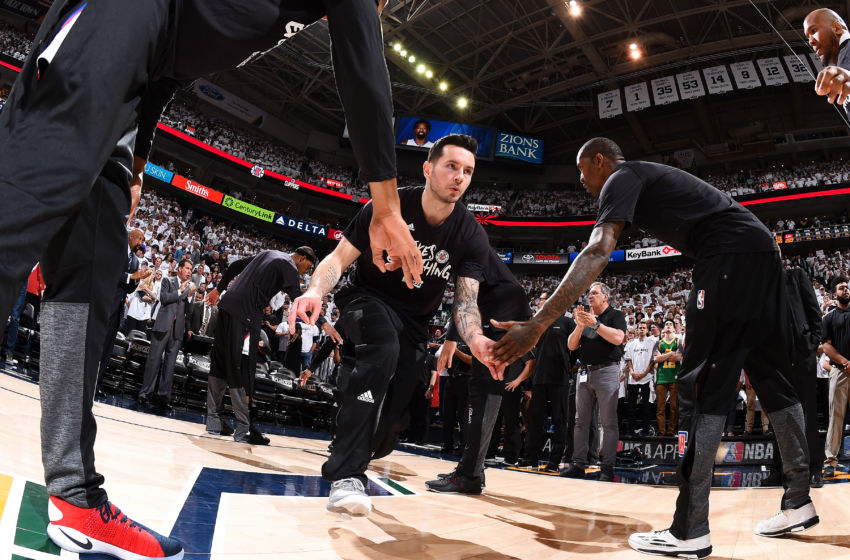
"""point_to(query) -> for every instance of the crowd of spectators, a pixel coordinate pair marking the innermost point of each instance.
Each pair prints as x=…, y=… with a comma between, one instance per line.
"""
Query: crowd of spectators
x=13, y=42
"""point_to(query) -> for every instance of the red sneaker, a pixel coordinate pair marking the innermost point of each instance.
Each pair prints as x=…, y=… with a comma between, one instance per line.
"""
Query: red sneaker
x=106, y=530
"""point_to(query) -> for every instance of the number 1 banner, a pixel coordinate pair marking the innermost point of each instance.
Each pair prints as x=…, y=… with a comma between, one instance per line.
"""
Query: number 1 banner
x=745, y=75
x=664, y=90
x=717, y=79
x=690, y=85
x=773, y=72
x=637, y=97
x=610, y=104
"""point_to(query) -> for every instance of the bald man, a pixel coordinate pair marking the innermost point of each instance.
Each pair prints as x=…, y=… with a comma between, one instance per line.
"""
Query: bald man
x=735, y=316
x=828, y=36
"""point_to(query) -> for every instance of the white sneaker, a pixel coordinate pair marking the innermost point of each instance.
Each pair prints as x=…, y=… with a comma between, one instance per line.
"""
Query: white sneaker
x=662, y=543
x=789, y=521
x=349, y=496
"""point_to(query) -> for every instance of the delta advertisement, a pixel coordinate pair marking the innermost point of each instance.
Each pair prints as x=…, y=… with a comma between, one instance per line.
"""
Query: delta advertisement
x=522, y=148
x=249, y=209
x=300, y=225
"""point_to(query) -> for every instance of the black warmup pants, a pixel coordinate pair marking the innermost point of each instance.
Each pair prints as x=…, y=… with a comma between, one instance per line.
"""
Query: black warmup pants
x=382, y=359
x=112, y=327
x=66, y=141
x=548, y=399
x=453, y=407
x=804, y=378
x=642, y=410
x=737, y=318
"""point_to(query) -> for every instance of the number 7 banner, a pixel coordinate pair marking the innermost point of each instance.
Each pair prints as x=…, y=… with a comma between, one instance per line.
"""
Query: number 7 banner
x=610, y=104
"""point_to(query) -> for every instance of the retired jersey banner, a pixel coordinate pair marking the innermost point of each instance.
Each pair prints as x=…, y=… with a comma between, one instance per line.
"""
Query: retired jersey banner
x=610, y=104
x=799, y=68
x=664, y=90
x=772, y=71
x=637, y=97
x=717, y=79
x=690, y=85
x=745, y=75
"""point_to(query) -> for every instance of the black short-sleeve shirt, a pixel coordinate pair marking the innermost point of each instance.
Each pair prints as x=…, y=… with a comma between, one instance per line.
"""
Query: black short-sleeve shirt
x=457, y=247
x=681, y=210
x=553, y=355
x=836, y=329
x=264, y=276
x=593, y=349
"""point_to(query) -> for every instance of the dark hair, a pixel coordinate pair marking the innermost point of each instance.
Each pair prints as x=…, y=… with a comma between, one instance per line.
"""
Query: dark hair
x=600, y=145
x=307, y=253
x=460, y=140
x=423, y=121
x=183, y=262
x=836, y=281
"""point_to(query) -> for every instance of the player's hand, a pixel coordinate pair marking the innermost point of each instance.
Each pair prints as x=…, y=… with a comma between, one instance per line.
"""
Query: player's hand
x=520, y=338
x=482, y=348
x=511, y=385
x=311, y=303
x=305, y=375
x=446, y=355
x=212, y=297
x=834, y=83
x=389, y=232
x=332, y=332
x=141, y=274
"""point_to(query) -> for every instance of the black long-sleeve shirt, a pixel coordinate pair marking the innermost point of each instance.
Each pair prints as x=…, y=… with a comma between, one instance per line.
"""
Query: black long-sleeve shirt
x=215, y=35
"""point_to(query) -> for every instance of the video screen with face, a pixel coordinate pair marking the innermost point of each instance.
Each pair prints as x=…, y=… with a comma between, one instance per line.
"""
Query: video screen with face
x=420, y=133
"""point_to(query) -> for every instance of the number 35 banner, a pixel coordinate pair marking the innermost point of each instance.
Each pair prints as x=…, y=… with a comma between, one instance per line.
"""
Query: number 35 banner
x=610, y=104
x=690, y=85
x=664, y=90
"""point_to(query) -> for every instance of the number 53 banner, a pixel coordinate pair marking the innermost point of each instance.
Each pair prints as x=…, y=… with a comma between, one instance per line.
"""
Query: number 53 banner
x=690, y=85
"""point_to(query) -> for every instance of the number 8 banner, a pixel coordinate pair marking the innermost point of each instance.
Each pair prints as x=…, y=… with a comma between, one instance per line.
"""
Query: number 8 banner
x=690, y=85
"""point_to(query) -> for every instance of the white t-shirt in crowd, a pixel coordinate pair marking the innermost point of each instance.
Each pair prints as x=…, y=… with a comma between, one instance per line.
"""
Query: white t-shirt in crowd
x=639, y=352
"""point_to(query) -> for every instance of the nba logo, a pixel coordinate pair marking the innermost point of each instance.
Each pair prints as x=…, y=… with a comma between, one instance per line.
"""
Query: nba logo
x=701, y=299
x=683, y=441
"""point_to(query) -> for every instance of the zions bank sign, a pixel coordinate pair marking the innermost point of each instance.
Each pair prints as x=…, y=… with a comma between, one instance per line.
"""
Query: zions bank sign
x=523, y=148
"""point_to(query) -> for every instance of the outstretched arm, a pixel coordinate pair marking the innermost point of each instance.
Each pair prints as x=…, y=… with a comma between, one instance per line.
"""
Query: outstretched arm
x=522, y=336
x=324, y=278
x=468, y=321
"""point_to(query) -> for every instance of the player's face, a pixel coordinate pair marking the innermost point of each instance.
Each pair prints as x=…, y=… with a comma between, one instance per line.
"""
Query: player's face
x=303, y=265
x=822, y=37
x=592, y=174
x=449, y=176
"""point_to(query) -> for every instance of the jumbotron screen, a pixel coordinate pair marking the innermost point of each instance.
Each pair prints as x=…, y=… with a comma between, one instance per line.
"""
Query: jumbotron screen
x=420, y=133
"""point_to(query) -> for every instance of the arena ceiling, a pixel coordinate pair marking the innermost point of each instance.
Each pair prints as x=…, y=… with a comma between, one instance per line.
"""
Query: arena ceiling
x=529, y=66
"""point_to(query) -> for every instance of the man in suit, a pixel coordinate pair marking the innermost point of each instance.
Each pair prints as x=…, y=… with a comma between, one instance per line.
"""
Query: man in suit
x=201, y=318
x=126, y=285
x=167, y=335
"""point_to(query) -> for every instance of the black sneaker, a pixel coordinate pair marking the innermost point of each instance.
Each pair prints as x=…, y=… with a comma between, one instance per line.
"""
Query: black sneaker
x=829, y=471
x=533, y=463
x=455, y=484
x=253, y=438
x=550, y=468
x=574, y=471
x=816, y=480
x=225, y=430
x=454, y=473
x=605, y=475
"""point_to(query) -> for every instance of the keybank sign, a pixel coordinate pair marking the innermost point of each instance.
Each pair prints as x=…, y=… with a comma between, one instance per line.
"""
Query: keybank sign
x=523, y=148
x=249, y=209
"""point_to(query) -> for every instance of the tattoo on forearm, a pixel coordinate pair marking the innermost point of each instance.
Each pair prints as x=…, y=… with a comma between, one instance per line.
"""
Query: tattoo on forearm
x=328, y=278
x=466, y=315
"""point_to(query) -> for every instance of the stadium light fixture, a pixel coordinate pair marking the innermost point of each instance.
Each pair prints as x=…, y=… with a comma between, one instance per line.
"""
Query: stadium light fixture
x=429, y=74
x=575, y=8
x=397, y=47
x=462, y=102
x=444, y=86
x=411, y=59
x=420, y=69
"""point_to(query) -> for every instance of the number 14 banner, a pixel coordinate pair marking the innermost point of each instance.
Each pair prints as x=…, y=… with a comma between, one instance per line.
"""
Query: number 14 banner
x=717, y=79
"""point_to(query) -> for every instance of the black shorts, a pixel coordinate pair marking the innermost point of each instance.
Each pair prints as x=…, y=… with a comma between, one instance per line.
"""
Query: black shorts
x=737, y=318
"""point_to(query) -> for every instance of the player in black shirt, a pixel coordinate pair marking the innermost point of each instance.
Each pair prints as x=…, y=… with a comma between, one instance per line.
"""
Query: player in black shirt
x=99, y=72
x=248, y=286
x=499, y=297
x=384, y=324
x=736, y=313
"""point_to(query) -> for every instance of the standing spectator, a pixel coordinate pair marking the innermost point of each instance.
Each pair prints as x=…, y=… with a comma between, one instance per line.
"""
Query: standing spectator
x=836, y=345
x=668, y=358
x=598, y=337
x=309, y=339
x=639, y=362
x=549, y=393
x=752, y=399
x=167, y=336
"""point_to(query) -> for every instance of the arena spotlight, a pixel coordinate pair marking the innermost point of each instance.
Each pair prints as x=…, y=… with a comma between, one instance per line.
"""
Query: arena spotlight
x=635, y=54
x=403, y=52
x=420, y=69
x=411, y=59
x=633, y=47
x=443, y=86
x=575, y=9
x=429, y=74
x=397, y=47
x=462, y=102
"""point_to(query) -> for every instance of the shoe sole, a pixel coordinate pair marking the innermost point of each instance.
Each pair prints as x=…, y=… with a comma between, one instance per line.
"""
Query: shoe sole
x=796, y=528
x=69, y=539
x=454, y=492
x=354, y=509
x=691, y=555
